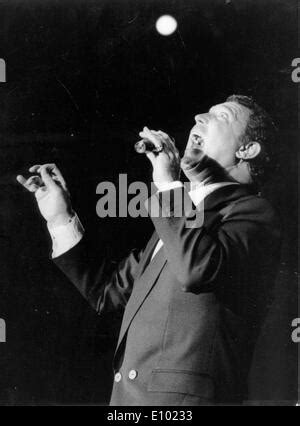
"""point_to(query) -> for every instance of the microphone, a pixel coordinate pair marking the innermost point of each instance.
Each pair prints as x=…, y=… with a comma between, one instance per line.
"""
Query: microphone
x=145, y=145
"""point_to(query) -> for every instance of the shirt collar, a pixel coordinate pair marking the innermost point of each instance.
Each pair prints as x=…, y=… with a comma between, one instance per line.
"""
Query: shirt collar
x=199, y=191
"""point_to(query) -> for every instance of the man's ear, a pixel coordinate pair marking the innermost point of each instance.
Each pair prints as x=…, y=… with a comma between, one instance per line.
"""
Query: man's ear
x=248, y=151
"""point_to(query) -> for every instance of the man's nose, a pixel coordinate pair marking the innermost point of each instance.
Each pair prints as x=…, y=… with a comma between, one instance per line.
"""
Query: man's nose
x=201, y=118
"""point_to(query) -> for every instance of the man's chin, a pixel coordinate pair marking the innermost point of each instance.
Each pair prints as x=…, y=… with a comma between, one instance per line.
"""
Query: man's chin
x=191, y=157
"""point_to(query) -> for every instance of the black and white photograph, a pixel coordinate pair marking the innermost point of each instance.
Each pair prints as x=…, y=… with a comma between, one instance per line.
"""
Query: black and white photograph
x=149, y=205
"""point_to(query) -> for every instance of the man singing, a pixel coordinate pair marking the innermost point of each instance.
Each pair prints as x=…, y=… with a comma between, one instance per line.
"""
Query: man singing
x=193, y=300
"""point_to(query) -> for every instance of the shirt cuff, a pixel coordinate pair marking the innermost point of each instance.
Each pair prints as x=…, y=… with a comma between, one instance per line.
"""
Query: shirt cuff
x=169, y=185
x=65, y=237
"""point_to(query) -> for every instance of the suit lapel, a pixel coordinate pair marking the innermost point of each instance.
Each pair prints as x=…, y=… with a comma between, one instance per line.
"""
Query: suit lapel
x=146, y=257
x=149, y=274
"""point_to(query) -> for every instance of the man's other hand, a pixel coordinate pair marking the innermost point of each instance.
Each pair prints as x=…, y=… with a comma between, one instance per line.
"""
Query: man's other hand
x=51, y=193
x=166, y=163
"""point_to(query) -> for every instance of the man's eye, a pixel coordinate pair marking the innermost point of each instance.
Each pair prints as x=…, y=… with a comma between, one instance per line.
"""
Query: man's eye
x=223, y=115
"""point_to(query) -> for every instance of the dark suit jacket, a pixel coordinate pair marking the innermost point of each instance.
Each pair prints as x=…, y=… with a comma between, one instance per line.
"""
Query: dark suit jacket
x=191, y=315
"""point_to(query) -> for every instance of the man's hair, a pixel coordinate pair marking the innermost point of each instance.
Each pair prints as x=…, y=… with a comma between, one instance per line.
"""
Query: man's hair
x=260, y=128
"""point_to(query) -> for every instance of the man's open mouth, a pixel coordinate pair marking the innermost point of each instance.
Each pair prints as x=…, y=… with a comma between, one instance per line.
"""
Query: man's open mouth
x=197, y=140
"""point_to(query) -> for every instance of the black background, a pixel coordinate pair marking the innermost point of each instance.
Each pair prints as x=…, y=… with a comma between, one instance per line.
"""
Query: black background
x=83, y=78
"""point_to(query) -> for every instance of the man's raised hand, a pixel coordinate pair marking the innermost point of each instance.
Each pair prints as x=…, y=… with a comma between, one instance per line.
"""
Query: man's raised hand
x=51, y=193
x=166, y=163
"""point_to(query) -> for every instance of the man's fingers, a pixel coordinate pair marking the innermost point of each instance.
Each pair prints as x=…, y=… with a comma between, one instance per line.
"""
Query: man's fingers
x=56, y=174
x=33, y=188
x=148, y=134
x=167, y=138
x=46, y=176
x=32, y=184
x=152, y=136
x=49, y=170
x=35, y=169
x=160, y=138
x=36, y=180
x=32, y=180
x=21, y=180
x=163, y=134
x=170, y=143
x=49, y=177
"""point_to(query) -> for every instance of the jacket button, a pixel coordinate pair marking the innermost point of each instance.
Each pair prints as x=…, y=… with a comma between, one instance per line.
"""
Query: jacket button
x=118, y=377
x=132, y=374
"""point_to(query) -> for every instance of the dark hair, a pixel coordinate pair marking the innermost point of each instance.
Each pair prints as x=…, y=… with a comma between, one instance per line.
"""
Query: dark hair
x=260, y=128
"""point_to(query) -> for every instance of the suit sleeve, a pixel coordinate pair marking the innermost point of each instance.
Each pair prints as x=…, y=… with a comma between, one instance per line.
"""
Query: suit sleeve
x=104, y=284
x=202, y=257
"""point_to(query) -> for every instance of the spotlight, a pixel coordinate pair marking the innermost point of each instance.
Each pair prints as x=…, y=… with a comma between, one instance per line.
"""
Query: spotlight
x=166, y=25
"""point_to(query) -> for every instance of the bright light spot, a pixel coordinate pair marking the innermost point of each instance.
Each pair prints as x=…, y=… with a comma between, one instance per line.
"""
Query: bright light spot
x=166, y=25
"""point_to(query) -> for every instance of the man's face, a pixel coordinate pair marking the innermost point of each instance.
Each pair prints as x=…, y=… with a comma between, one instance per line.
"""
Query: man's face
x=218, y=133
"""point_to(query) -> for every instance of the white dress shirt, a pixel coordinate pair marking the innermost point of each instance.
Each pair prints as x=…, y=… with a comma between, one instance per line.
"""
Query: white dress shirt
x=65, y=237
